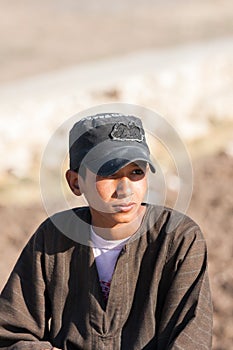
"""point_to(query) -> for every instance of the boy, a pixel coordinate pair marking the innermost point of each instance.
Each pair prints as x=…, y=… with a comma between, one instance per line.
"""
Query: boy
x=112, y=275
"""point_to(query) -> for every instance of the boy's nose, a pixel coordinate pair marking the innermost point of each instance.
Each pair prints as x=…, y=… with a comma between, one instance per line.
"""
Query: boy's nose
x=124, y=189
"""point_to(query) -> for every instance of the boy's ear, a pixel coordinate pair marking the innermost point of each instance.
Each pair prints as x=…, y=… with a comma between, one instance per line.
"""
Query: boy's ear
x=72, y=179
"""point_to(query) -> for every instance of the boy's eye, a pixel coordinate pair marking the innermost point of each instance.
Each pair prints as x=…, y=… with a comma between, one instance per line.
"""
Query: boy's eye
x=138, y=171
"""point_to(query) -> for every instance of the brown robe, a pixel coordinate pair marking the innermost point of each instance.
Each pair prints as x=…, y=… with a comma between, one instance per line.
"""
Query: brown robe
x=159, y=296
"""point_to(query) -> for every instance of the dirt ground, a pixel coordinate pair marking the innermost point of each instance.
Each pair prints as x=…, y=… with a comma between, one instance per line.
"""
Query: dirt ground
x=211, y=206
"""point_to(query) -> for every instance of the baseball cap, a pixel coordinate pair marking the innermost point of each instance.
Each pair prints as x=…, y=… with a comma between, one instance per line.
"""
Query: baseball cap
x=104, y=143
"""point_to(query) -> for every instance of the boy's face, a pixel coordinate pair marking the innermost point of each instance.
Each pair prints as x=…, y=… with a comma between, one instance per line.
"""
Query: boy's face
x=116, y=199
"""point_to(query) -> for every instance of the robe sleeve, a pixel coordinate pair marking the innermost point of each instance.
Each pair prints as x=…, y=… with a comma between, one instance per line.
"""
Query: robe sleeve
x=185, y=320
x=24, y=304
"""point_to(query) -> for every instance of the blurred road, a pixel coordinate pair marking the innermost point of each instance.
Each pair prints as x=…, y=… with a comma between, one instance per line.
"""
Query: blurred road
x=40, y=36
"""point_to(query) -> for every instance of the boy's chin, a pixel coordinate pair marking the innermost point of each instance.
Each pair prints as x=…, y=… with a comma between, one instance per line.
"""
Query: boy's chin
x=114, y=218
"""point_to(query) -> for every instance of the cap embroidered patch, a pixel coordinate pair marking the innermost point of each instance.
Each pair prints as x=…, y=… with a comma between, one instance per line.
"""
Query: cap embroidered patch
x=127, y=132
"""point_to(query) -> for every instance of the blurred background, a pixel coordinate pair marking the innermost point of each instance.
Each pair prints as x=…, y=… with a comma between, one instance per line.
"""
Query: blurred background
x=174, y=57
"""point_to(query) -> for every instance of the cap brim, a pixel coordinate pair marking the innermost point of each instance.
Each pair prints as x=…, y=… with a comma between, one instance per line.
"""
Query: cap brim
x=109, y=162
x=114, y=165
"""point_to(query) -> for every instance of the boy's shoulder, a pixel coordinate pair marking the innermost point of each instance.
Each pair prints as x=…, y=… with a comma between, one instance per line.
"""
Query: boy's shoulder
x=66, y=227
x=171, y=218
x=165, y=221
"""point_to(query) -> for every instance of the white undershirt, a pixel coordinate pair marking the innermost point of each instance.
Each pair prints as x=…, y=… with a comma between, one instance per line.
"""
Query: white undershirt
x=106, y=253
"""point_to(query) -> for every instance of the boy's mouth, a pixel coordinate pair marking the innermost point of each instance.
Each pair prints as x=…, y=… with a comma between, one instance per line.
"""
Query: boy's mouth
x=124, y=207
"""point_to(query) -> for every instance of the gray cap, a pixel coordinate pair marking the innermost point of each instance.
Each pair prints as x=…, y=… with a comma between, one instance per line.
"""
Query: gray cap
x=104, y=143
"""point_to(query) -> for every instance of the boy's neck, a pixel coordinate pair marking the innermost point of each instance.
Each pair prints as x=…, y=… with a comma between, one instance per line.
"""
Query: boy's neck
x=120, y=230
